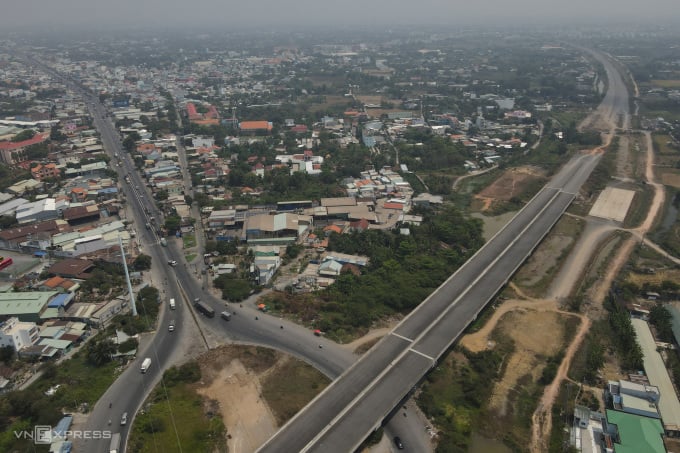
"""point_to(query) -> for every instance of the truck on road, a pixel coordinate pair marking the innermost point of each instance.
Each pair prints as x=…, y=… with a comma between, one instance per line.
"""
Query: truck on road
x=204, y=308
x=114, y=445
x=145, y=365
x=172, y=304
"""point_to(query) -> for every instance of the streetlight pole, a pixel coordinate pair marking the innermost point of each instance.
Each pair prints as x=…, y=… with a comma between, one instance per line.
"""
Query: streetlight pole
x=133, y=307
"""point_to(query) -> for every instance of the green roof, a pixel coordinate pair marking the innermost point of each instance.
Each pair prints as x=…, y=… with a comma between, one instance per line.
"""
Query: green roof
x=24, y=302
x=637, y=433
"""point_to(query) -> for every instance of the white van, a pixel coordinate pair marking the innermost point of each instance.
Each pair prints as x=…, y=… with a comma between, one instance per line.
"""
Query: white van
x=172, y=304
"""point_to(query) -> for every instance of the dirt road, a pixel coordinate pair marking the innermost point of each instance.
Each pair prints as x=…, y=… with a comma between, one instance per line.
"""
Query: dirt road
x=542, y=417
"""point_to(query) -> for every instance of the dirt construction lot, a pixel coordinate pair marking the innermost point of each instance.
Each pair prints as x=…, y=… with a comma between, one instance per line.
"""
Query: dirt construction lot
x=537, y=331
x=232, y=378
x=512, y=183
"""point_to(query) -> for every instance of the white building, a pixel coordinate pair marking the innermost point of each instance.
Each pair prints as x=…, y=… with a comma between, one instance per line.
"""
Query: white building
x=18, y=334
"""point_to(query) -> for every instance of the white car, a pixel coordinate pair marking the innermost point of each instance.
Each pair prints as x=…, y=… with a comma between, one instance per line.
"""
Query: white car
x=172, y=263
x=123, y=419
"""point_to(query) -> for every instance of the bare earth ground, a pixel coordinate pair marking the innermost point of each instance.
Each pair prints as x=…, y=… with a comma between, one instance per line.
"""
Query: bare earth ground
x=530, y=343
x=247, y=418
x=543, y=259
x=542, y=418
x=510, y=184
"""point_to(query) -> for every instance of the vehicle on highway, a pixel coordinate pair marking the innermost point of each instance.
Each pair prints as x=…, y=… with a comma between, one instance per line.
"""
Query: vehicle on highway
x=172, y=304
x=398, y=443
x=172, y=263
x=204, y=308
x=164, y=242
x=225, y=315
x=145, y=365
x=171, y=326
x=123, y=419
x=114, y=445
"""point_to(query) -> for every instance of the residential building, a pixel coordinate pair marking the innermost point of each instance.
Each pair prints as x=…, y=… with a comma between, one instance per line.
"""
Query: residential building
x=18, y=334
x=40, y=171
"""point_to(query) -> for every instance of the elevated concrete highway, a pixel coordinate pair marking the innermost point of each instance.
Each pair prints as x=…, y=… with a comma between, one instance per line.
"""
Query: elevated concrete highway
x=342, y=416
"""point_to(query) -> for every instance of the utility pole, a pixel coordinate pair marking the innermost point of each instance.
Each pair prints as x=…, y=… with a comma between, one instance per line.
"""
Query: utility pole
x=133, y=307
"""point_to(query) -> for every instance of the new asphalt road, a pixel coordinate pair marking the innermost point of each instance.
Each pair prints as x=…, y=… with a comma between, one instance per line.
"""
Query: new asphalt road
x=355, y=404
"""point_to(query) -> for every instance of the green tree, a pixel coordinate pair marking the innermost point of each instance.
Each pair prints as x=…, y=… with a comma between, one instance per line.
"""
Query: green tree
x=128, y=345
x=24, y=135
x=100, y=352
x=7, y=354
x=142, y=262
x=172, y=223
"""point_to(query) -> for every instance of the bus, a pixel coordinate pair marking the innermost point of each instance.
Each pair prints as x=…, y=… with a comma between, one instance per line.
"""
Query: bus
x=204, y=308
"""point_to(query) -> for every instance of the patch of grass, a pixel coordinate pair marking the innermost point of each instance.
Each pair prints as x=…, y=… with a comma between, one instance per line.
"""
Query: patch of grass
x=455, y=392
x=639, y=207
x=562, y=416
x=190, y=257
x=189, y=240
x=81, y=385
x=596, y=268
x=475, y=184
x=182, y=419
x=290, y=387
x=663, y=145
x=80, y=382
x=567, y=227
x=666, y=83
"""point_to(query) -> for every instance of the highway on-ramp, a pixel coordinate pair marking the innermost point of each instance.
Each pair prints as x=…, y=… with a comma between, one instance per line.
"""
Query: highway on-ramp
x=355, y=404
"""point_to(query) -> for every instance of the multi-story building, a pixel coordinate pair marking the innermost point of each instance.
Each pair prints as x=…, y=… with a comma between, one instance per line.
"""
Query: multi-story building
x=18, y=334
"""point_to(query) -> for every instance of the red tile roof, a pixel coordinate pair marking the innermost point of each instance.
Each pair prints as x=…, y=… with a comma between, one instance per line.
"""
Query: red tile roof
x=37, y=138
x=255, y=125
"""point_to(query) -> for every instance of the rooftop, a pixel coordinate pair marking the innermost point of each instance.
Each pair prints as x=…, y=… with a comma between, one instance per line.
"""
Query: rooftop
x=24, y=302
x=637, y=433
x=669, y=406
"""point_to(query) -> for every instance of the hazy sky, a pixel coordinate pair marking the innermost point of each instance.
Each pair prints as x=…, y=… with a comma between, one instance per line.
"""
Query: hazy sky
x=17, y=14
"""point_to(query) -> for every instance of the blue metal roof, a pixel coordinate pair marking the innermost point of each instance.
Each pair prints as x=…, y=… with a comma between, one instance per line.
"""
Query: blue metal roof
x=39, y=253
x=63, y=425
x=59, y=301
x=108, y=190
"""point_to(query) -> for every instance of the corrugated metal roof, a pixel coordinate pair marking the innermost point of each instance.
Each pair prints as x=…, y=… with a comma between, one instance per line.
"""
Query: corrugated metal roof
x=669, y=406
x=637, y=433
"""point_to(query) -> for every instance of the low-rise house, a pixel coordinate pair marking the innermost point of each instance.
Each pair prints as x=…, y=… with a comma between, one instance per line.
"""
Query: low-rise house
x=40, y=171
x=59, y=284
x=27, y=185
x=77, y=215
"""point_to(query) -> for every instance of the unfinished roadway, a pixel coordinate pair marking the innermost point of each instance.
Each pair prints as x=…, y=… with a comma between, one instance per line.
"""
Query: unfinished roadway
x=356, y=403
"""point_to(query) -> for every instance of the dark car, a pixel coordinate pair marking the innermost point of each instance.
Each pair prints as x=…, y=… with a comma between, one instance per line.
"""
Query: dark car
x=398, y=443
